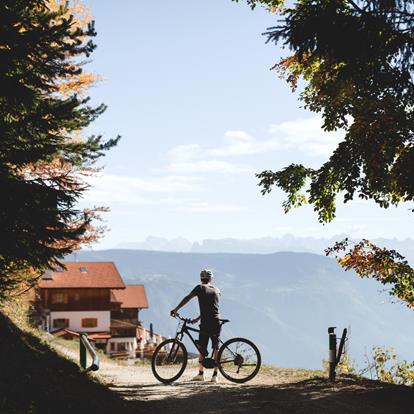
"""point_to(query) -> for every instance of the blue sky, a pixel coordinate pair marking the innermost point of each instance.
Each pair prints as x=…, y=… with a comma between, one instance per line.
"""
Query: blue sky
x=188, y=87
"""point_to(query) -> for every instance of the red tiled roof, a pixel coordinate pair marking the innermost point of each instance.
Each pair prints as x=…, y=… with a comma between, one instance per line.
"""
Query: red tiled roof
x=99, y=335
x=116, y=323
x=133, y=296
x=92, y=336
x=97, y=275
x=64, y=331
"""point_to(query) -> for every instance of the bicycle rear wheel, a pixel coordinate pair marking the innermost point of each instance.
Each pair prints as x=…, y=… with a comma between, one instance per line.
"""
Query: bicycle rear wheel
x=239, y=360
x=169, y=361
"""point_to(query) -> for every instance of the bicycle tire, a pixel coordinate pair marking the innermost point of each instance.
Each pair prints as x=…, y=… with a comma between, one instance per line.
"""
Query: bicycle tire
x=172, y=354
x=221, y=363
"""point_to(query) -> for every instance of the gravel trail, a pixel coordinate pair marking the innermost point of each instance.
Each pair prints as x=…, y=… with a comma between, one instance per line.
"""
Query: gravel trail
x=273, y=391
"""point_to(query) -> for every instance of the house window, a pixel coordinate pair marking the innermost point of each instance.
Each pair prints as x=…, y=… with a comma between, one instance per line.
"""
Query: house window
x=83, y=270
x=76, y=297
x=59, y=297
x=122, y=346
x=60, y=323
x=112, y=346
x=89, y=323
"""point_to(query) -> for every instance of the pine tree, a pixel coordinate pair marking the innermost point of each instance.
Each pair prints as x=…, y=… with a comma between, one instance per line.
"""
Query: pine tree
x=42, y=157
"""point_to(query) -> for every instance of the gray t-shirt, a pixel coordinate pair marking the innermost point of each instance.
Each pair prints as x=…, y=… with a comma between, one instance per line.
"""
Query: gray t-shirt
x=208, y=300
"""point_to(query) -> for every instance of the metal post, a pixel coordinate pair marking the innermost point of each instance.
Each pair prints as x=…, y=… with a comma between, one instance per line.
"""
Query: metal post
x=82, y=350
x=141, y=348
x=151, y=333
x=332, y=352
x=341, y=346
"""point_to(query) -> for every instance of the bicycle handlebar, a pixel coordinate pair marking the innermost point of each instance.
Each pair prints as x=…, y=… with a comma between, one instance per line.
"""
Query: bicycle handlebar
x=188, y=320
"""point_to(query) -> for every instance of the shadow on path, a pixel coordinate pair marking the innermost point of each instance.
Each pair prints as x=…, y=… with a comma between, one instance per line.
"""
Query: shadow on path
x=309, y=396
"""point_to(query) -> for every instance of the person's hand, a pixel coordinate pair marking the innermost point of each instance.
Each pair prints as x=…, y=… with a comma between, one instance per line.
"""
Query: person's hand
x=173, y=313
x=194, y=320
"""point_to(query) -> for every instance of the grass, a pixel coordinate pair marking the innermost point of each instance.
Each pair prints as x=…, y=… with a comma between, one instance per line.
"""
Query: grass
x=299, y=374
x=70, y=344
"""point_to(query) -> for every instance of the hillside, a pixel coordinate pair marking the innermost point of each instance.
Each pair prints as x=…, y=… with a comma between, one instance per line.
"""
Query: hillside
x=283, y=301
x=35, y=379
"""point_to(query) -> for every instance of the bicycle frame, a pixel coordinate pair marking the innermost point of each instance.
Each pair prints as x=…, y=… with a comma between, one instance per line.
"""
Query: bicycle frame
x=172, y=354
x=187, y=331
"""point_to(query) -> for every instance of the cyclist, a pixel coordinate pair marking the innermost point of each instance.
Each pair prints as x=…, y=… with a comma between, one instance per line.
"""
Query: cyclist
x=208, y=300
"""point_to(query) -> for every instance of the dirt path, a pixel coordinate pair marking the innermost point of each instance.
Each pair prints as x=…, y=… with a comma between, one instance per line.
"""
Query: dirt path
x=273, y=391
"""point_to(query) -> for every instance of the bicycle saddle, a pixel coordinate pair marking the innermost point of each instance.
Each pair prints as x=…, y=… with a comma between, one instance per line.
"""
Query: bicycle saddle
x=223, y=321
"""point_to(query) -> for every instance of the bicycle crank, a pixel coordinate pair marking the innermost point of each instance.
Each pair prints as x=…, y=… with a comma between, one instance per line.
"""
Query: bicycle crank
x=238, y=360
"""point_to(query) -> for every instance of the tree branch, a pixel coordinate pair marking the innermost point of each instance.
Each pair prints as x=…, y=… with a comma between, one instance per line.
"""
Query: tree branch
x=356, y=7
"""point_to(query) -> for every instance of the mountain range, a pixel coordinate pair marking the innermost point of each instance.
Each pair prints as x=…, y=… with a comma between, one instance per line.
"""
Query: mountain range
x=283, y=301
x=264, y=245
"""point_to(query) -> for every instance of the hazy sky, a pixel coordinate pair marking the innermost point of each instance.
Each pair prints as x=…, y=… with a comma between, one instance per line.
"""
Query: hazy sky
x=189, y=89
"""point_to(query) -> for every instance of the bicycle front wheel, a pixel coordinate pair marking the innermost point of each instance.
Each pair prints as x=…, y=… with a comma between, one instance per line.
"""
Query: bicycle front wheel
x=239, y=360
x=169, y=361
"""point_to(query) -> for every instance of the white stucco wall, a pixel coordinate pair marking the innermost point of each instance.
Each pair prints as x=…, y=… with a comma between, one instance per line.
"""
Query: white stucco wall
x=75, y=320
x=131, y=345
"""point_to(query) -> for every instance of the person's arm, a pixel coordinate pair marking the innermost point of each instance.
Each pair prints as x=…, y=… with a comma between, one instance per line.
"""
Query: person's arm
x=185, y=300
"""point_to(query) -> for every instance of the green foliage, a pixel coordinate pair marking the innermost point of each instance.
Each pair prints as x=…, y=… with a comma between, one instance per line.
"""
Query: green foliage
x=344, y=367
x=356, y=58
x=292, y=178
x=388, y=368
x=271, y=4
x=386, y=266
x=40, y=160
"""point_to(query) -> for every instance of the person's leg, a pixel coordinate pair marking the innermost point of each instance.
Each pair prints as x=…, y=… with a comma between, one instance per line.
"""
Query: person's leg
x=215, y=371
x=200, y=364
x=215, y=342
x=202, y=347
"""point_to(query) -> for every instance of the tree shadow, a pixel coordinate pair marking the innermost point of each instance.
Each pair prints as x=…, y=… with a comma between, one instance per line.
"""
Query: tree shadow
x=310, y=396
x=35, y=379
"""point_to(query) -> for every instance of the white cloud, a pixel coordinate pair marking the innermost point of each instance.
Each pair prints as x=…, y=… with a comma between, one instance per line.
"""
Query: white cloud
x=136, y=190
x=123, y=193
x=204, y=207
x=203, y=166
x=238, y=135
x=166, y=184
x=237, y=148
x=183, y=153
x=302, y=135
x=305, y=135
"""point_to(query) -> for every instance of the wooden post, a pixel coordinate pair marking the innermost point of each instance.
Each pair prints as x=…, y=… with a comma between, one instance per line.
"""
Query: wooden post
x=332, y=353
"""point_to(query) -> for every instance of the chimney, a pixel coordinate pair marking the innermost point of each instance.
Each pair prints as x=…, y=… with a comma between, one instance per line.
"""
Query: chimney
x=48, y=275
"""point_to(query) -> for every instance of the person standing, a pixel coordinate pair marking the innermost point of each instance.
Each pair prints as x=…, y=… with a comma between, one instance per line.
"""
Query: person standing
x=208, y=300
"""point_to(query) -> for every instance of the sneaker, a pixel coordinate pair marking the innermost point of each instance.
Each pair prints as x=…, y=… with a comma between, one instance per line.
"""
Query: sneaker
x=198, y=377
x=214, y=378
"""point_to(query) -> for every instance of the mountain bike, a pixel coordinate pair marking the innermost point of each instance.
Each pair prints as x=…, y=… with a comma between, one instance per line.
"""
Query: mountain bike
x=238, y=359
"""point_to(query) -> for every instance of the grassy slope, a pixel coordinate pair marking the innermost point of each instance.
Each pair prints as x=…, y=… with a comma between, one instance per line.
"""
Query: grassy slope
x=35, y=379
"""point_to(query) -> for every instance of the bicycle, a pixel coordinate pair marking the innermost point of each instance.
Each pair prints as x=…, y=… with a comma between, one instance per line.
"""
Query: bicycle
x=238, y=359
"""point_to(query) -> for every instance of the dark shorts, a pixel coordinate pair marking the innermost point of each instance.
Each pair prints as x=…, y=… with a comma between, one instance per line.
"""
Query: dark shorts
x=209, y=330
